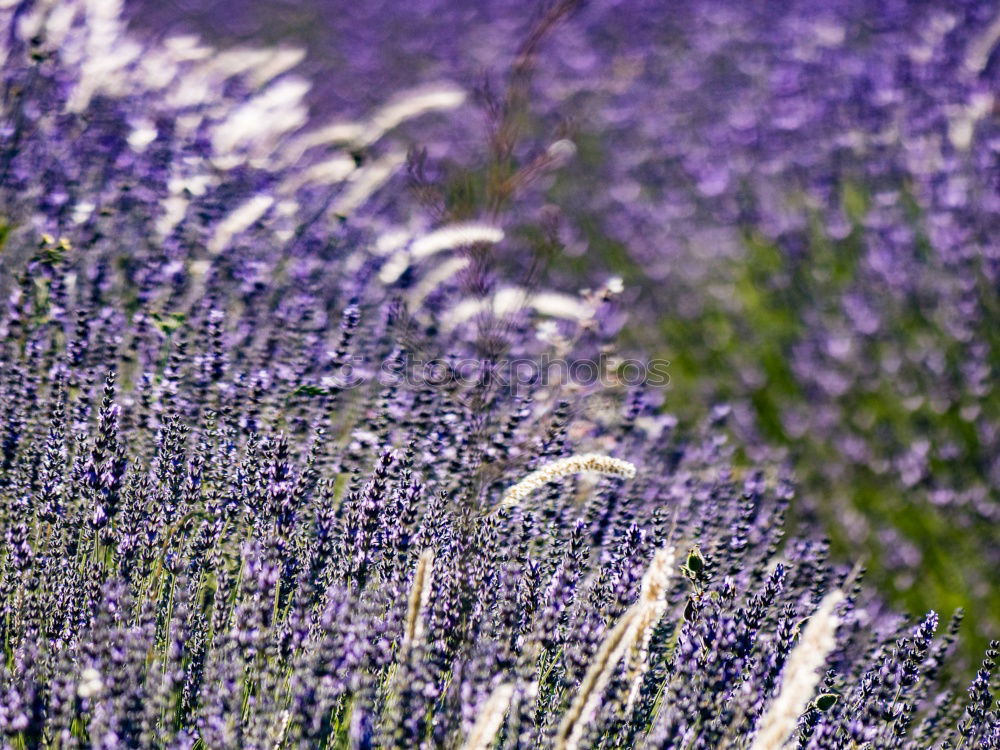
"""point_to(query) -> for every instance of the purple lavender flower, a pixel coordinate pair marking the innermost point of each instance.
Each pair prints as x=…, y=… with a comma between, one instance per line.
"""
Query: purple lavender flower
x=232, y=517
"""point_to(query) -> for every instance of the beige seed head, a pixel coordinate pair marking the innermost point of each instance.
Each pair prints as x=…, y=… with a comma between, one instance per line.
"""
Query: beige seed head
x=562, y=467
x=490, y=718
x=800, y=676
x=584, y=707
x=419, y=595
x=630, y=635
x=652, y=598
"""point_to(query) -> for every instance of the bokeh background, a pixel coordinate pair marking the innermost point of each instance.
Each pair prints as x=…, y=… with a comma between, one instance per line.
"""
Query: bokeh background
x=801, y=198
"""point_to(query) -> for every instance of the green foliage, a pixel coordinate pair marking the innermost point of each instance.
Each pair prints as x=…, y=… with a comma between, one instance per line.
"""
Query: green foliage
x=750, y=316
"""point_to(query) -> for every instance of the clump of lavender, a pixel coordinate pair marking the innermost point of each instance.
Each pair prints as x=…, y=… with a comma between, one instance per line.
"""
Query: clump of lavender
x=821, y=182
x=236, y=513
x=801, y=197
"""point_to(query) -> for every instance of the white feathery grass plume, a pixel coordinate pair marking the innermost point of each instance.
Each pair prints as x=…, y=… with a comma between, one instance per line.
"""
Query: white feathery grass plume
x=962, y=122
x=433, y=280
x=36, y=20
x=253, y=129
x=584, y=707
x=978, y=55
x=82, y=211
x=105, y=59
x=285, y=212
x=405, y=106
x=142, y=134
x=59, y=22
x=800, y=676
x=490, y=718
x=364, y=182
x=173, y=209
x=445, y=238
x=210, y=70
x=630, y=635
x=455, y=235
x=653, y=599
x=275, y=62
x=261, y=65
x=240, y=219
x=284, y=719
x=562, y=467
x=408, y=105
x=174, y=206
x=337, y=133
x=420, y=593
x=504, y=301
x=188, y=48
x=328, y=172
x=391, y=240
x=91, y=683
x=557, y=305
x=105, y=54
x=511, y=299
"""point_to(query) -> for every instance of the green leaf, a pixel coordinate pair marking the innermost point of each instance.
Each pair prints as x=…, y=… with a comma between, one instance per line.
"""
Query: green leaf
x=695, y=562
x=168, y=322
x=309, y=390
x=826, y=701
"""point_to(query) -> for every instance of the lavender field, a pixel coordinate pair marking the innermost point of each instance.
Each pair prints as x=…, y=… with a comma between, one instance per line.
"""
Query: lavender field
x=509, y=375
